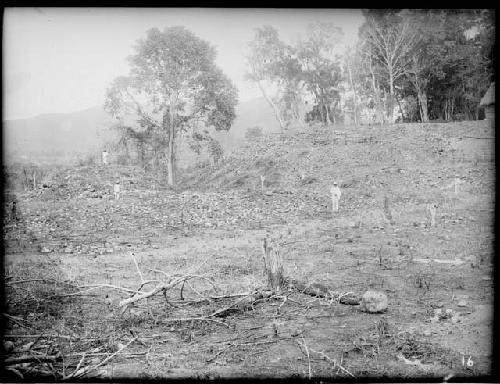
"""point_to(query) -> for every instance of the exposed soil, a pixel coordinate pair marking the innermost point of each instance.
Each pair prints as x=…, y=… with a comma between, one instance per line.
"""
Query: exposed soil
x=73, y=232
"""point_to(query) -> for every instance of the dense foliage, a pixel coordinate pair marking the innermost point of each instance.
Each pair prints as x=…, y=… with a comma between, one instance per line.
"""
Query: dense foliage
x=408, y=65
x=174, y=88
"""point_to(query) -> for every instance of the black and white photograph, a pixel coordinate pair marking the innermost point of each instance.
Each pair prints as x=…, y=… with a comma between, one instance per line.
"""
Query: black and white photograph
x=304, y=194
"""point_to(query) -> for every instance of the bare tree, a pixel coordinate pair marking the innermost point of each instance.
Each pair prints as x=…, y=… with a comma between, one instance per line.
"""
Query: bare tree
x=349, y=66
x=266, y=51
x=390, y=46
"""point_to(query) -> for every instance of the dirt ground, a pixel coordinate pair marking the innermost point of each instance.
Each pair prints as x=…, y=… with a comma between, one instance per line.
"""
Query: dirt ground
x=421, y=268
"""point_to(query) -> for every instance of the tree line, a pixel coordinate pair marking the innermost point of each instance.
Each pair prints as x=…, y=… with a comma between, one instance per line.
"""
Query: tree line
x=408, y=65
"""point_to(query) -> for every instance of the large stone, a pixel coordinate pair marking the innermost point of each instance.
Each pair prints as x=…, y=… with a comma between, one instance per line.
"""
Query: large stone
x=374, y=302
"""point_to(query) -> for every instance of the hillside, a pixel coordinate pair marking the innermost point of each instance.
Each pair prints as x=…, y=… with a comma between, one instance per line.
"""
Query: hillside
x=56, y=138
x=437, y=276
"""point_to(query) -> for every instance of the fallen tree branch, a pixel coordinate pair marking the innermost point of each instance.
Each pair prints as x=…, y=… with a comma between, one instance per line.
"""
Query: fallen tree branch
x=30, y=359
x=320, y=290
x=249, y=343
x=92, y=288
x=157, y=289
x=333, y=361
x=137, y=267
x=33, y=280
x=242, y=303
x=83, y=371
x=308, y=356
x=477, y=137
x=202, y=318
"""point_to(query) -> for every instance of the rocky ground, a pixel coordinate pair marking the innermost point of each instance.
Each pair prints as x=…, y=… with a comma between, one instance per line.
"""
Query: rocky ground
x=437, y=278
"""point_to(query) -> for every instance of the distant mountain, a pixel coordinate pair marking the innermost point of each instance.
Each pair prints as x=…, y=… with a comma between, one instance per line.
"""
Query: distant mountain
x=62, y=136
x=55, y=136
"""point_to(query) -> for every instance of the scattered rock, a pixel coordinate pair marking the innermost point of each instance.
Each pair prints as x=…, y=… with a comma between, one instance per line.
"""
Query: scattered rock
x=374, y=302
x=8, y=346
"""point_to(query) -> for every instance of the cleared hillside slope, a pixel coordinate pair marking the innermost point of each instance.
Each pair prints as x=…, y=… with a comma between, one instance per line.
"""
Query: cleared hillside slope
x=214, y=225
x=411, y=164
x=406, y=162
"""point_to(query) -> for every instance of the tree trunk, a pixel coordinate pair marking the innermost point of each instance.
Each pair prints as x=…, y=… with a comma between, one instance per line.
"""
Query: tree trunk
x=328, y=121
x=391, y=96
x=354, y=94
x=403, y=118
x=275, y=108
x=170, y=148
x=422, y=100
x=378, y=102
x=273, y=266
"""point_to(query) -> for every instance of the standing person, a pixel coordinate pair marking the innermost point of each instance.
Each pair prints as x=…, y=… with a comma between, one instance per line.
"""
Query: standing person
x=105, y=157
x=335, y=191
x=116, y=190
x=13, y=211
x=457, y=183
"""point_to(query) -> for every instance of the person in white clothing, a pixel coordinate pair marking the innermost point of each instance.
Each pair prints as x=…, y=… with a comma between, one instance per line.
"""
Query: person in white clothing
x=116, y=190
x=335, y=191
x=105, y=157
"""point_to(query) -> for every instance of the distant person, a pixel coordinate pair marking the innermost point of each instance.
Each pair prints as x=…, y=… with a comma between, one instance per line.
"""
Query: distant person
x=13, y=211
x=116, y=190
x=335, y=191
x=432, y=208
x=457, y=183
x=105, y=157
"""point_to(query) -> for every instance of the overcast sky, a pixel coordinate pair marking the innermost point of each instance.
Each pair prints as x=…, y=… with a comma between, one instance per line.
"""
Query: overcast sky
x=62, y=59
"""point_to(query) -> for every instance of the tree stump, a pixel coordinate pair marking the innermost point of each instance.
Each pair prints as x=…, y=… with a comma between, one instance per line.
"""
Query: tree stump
x=273, y=266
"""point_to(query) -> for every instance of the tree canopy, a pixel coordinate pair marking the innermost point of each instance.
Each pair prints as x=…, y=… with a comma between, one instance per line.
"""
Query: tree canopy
x=174, y=87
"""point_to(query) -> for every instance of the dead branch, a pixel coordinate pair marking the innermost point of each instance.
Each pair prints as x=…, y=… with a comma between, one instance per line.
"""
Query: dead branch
x=308, y=356
x=157, y=289
x=320, y=290
x=202, y=318
x=83, y=371
x=199, y=294
x=231, y=345
x=137, y=267
x=147, y=282
x=242, y=303
x=30, y=359
x=16, y=372
x=154, y=291
x=477, y=137
x=33, y=280
x=92, y=288
x=333, y=361
x=19, y=336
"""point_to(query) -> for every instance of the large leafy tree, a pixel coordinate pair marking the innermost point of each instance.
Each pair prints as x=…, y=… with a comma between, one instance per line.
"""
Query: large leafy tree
x=173, y=88
x=451, y=65
x=321, y=67
x=275, y=70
